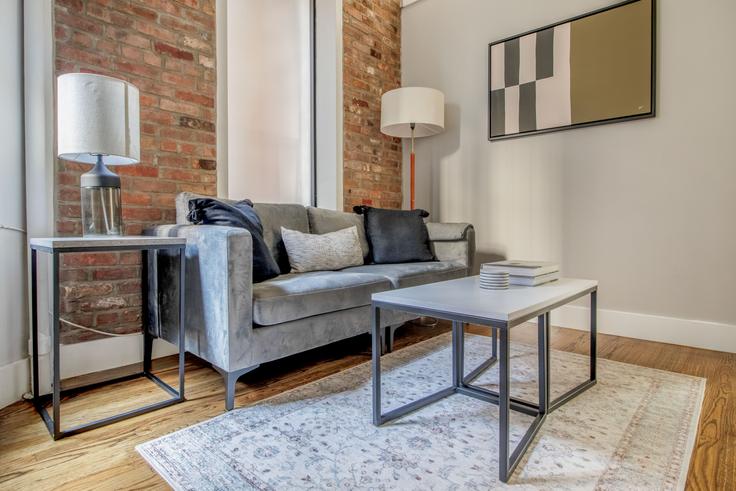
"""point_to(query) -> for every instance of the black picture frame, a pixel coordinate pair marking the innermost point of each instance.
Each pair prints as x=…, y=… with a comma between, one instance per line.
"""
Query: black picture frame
x=653, y=72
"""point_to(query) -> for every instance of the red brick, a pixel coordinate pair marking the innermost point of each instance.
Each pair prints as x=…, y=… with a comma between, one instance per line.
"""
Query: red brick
x=86, y=57
x=151, y=59
x=174, y=161
x=176, y=24
x=130, y=258
x=137, y=170
x=79, y=22
x=196, y=98
x=144, y=12
x=155, y=31
x=69, y=194
x=168, y=146
x=179, y=107
x=97, y=259
x=178, y=80
x=107, y=46
x=148, y=101
x=145, y=214
x=136, y=69
x=146, y=184
x=107, y=318
x=132, y=286
x=114, y=273
x=180, y=175
x=173, y=51
x=73, y=275
x=188, y=148
x=84, y=290
x=61, y=33
x=127, y=37
x=103, y=303
x=131, y=53
x=167, y=6
x=71, y=5
x=134, y=198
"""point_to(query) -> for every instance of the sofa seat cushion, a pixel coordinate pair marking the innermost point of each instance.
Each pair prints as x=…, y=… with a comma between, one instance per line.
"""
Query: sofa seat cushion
x=299, y=295
x=412, y=274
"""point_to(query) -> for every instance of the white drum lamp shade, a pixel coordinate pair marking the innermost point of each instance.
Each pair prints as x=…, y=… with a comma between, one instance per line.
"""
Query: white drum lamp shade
x=98, y=115
x=421, y=106
x=98, y=123
x=412, y=112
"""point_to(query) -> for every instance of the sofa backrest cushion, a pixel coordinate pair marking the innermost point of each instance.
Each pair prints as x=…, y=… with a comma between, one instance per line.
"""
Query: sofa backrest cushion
x=273, y=217
x=323, y=221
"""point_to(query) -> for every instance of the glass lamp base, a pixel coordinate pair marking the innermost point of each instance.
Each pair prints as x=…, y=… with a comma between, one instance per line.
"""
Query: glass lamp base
x=101, y=211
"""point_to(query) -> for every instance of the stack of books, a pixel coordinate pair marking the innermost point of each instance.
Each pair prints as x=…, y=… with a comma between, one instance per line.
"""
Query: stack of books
x=525, y=273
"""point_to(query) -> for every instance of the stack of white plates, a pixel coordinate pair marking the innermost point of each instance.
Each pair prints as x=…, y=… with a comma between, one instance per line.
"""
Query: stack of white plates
x=494, y=280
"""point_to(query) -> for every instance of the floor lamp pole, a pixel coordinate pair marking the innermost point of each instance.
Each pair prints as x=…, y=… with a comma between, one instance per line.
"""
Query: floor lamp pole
x=413, y=163
x=423, y=321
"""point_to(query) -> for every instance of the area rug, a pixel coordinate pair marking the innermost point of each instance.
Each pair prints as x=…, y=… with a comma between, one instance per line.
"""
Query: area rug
x=634, y=430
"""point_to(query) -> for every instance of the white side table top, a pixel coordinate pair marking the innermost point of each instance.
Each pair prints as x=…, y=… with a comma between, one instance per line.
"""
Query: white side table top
x=104, y=242
x=465, y=297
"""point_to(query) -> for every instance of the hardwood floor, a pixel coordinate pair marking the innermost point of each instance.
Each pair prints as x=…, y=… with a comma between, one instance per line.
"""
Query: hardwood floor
x=106, y=458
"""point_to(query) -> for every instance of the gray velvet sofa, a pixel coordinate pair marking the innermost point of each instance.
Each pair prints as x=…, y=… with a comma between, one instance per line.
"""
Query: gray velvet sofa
x=236, y=325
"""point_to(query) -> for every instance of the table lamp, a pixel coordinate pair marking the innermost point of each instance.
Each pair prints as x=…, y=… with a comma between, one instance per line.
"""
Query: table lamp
x=412, y=112
x=98, y=123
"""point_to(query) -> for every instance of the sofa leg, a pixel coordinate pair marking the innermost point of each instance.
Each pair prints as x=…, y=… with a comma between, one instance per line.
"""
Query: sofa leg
x=147, y=350
x=389, y=337
x=230, y=378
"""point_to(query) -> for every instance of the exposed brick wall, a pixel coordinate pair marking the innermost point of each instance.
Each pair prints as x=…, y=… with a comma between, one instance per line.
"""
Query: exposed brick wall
x=371, y=66
x=167, y=49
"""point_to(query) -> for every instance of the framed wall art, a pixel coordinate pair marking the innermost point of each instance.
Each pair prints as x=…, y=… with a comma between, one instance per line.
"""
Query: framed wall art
x=592, y=69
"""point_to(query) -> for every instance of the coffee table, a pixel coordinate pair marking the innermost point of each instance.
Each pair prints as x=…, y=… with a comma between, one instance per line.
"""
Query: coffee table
x=463, y=301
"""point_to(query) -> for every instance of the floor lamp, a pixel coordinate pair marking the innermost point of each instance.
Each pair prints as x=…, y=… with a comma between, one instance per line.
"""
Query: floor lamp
x=413, y=112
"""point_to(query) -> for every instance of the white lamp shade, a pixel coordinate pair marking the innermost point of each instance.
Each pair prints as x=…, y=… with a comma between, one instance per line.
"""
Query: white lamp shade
x=422, y=106
x=98, y=115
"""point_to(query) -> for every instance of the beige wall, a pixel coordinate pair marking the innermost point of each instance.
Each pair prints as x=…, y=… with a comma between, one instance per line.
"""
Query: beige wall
x=647, y=207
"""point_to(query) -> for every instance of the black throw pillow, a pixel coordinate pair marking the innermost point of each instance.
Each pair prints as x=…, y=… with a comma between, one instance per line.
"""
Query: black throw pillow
x=210, y=211
x=396, y=236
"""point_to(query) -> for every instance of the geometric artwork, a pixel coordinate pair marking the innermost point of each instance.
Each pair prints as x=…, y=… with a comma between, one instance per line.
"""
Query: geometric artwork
x=595, y=68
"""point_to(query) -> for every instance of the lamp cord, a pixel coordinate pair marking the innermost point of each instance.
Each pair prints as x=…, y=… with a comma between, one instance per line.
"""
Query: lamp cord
x=96, y=331
x=10, y=227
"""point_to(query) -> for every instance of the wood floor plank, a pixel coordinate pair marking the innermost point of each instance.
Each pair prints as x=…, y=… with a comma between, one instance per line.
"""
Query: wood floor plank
x=106, y=458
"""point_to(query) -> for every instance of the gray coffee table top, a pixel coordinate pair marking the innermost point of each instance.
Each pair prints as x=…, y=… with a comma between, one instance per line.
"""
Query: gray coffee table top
x=465, y=297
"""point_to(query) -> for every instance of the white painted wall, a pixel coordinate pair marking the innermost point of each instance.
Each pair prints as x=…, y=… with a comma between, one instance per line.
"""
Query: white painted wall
x=263, y=97
x=268, y=100
x=328, y=104
x=646, y=207
x=13, y=316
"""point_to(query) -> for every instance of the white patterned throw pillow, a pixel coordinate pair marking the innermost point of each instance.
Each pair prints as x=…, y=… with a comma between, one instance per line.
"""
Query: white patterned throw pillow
x=325, y=252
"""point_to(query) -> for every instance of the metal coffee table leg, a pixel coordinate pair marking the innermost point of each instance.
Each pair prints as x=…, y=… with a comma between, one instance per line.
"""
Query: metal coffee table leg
x=378, y=417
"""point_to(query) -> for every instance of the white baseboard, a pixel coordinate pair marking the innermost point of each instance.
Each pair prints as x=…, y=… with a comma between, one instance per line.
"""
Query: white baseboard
x=687, y=332
x=14, y=381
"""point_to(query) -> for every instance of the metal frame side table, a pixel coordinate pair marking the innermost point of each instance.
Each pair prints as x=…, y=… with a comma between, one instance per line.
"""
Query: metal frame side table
x=56, y=246
x=463, y=301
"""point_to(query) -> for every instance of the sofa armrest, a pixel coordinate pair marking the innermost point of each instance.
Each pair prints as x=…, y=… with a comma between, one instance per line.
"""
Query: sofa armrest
x=453, y=242
x=218, y=283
